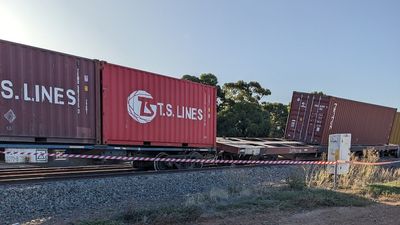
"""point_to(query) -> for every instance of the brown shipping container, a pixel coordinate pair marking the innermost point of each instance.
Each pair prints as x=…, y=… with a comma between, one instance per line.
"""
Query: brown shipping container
x=46, y=96
x=143, y=108
x=395, y=134
x=314, y=117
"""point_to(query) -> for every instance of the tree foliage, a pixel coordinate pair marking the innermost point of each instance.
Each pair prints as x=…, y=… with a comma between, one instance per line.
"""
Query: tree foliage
x=242, y=114
x=243, y=119
x=318, y=93
x=204, y=78
x=243, y=91
x=278, y=114
x=209, y=78
x=242, y=111
x=191, y=78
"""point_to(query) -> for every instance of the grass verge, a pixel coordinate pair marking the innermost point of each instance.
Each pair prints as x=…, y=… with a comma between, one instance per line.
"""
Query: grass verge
x=389, y=191
x=220, y=202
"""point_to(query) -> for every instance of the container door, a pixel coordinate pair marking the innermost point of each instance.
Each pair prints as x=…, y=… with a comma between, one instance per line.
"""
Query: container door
x=316, y=121
x=307, y=117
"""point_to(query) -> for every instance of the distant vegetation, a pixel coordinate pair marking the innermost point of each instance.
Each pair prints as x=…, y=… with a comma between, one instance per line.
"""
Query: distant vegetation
x=243, y=110
x=318, y=93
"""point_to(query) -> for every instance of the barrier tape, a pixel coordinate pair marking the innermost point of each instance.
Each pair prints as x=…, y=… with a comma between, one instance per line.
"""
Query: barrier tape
x=204, y=161
x=149, y=159
x=375, y=163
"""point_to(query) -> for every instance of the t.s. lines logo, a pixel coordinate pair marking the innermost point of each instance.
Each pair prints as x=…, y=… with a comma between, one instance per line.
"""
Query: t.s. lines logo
x=140, y=108
x=143, y=108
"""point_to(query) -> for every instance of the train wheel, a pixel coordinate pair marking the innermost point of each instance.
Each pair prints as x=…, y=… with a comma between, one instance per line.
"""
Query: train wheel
x=254, y=157
x=226, y=156
x=195, y=155
x=191, y=155
x=158, y=165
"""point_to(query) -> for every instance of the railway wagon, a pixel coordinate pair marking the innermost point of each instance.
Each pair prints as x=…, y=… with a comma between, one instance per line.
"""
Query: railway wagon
x=313, y=117
x=51, y=100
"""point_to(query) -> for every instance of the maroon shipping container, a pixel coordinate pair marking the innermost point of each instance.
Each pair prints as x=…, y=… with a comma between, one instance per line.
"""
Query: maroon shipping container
x=46, y=96
x=313, y=117
x=143, y=108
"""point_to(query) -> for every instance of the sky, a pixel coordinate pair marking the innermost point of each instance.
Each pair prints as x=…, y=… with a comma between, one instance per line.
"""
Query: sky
x=344, y=48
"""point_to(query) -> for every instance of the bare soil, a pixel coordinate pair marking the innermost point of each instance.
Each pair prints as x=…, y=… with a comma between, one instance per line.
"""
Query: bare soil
x=376, y=214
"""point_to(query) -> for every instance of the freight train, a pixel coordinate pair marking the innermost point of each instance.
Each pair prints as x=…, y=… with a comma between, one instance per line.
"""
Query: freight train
x=52, y=101
x=55, y=101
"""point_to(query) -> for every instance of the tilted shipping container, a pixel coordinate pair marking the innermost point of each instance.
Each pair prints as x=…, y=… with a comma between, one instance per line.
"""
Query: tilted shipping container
x=46, y=96
x=143, y=108
x=395, y=134
x=313, y=117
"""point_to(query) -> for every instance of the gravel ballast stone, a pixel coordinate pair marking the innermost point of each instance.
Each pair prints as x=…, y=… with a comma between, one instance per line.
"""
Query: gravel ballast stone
x=25, y=202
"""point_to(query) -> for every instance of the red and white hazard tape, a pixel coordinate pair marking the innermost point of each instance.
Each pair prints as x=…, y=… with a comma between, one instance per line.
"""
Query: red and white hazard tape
x=375, y=163
x=204, y=161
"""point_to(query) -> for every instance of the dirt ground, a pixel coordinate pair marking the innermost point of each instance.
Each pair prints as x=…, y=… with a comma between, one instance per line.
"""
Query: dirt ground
x=383, y=213
x=376, y=214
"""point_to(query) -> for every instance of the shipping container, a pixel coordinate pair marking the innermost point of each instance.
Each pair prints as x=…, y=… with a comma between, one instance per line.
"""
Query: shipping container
x=46, y=96
x=147, y=109
x=395, y=134
x=313, y=117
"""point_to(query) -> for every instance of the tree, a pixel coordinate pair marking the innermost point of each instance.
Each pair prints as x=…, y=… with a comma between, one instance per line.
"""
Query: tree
x=278, y=114
x=241, y=109
x=191, y=78
x=318, y=93
x=243, y=91
x=209, y=78
x=243, y=119
x=204, y=78
x=242, y=114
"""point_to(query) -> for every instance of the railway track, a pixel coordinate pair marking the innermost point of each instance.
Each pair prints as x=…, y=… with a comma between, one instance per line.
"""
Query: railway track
x=39, y=175
x=44, y=174
x=8, y=176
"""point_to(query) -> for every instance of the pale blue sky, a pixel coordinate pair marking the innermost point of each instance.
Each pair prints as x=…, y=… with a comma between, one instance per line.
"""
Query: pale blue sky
x=344, y=48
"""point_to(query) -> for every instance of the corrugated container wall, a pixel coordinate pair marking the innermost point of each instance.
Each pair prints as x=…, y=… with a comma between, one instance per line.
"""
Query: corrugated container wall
x=313, y=117
x=143, y=108
x=395, y=134
x=46, y=96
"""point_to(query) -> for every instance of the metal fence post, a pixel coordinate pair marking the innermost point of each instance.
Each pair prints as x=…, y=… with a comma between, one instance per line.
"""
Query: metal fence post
x=335, y=176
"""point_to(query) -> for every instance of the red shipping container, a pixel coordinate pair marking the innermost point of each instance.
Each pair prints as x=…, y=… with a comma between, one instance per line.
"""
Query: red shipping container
x=46, y=96
x=314, y=117
x=143, y=108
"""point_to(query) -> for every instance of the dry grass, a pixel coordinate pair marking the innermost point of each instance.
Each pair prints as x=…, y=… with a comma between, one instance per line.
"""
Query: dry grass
x=359, y=177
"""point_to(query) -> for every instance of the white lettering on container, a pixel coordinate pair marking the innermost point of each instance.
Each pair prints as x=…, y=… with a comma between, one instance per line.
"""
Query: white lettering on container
x=38, y=93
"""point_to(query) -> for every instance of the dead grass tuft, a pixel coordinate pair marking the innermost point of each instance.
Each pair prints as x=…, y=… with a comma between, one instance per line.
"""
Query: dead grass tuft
x=358, y=178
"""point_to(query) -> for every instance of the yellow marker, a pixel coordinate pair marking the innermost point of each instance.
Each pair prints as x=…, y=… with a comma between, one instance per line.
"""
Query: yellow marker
x=337, y=155
x=86, y=88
